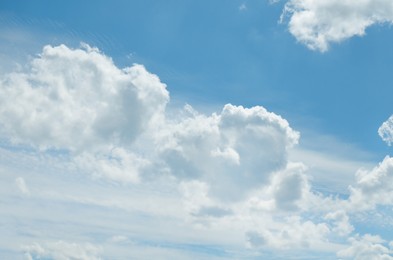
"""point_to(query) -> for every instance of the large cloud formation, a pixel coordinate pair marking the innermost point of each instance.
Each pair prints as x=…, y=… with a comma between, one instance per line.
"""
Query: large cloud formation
x=114, y=121
x=317, y=24
x=78, y=100
x=226, y=174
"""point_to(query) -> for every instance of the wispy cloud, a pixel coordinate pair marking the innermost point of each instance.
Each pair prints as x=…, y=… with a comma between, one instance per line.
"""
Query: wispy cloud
x=21, y=185
x=243, y=7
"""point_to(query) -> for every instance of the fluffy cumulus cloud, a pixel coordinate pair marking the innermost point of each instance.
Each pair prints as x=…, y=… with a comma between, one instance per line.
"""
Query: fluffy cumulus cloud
x=373, y=187
x=163, y=178
x=78, y=100
x=233, y=151
x=317, y=24
x=114, y=121
x=385, y=131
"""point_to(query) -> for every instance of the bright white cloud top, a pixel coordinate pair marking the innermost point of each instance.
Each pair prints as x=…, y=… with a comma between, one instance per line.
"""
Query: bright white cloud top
x=97, y=159
x=317, y=24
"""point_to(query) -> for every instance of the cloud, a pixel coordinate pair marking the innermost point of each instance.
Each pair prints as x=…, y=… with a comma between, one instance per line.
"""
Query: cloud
x=342, y=226
x=373, y=187
x=292, y=233
x=234, y=151
x=385, y=131
x=290, y=187
x=118, y=165
x=77, y=99
x=61, y=250
x=21, y=185
x=243, y=7
x=102, y=145
x=114, y=123
x=366, y=247
x=317, y=24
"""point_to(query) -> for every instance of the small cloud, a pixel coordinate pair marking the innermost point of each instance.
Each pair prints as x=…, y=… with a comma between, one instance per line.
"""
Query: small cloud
x=243, y=7
x=22, y=187
x=386, y=131
x=318, y=24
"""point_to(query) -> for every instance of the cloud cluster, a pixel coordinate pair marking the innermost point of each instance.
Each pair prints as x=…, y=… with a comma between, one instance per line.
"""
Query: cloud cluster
x=114, y=122
x=226, y=173
x=317, y=24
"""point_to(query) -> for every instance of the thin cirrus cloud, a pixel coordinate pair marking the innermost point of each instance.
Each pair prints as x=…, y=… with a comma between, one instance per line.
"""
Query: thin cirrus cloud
x=226, y=174
x=318, y=24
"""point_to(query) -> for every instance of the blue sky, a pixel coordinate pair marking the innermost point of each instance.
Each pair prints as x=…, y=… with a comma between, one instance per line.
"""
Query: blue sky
x=310, y=88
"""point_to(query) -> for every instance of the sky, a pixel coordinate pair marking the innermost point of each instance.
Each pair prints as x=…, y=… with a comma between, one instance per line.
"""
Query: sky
x=184, y=129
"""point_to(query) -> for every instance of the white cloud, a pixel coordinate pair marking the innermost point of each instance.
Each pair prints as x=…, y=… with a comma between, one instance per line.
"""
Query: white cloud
x=165, y=179
x=61, y=250
x=366, y=247
x=385, y=131
x=112, y=124
x=342, y=226
x=119, y=165
x=233, y=152
x=317, y=24
x=373, y=187
x=243, y=7
x=115, y=121
x=78, y=100
x=21, y=185
x=292, y=233
x=290, y=187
